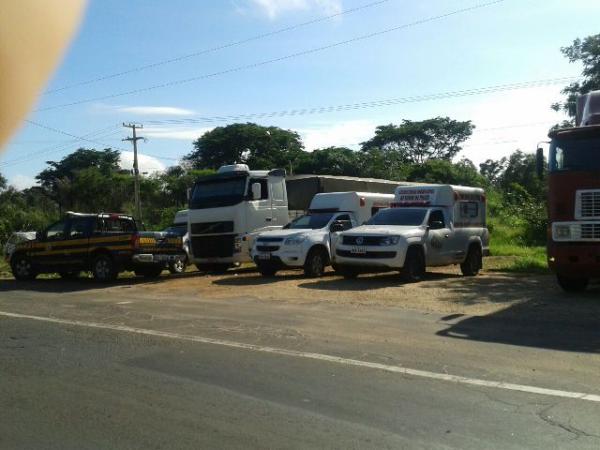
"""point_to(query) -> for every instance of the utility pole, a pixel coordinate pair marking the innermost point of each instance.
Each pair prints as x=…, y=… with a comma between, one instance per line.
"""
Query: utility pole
x=136, y=171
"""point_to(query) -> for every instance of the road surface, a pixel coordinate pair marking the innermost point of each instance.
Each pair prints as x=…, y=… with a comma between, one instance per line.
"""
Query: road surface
x=146, y=365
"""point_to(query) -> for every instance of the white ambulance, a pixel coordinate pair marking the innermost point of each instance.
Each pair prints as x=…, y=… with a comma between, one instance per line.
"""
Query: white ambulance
x=427, y=225
x=306, y=242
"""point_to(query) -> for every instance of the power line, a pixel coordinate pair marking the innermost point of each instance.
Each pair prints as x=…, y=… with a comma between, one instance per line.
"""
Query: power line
x=216, y=48
x=369, y=104
x=275, y=60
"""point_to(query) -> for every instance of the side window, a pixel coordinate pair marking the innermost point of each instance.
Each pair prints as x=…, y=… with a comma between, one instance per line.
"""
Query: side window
x=277, y=189
x=345, y=219
x=79, y=228
x=469, y=210
x=114, y=225
x=264, y=187
x=436, y=220
x=56, y=232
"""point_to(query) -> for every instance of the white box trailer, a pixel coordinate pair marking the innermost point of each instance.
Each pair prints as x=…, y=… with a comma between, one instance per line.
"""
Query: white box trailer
x=428, y=225
x=307, y=241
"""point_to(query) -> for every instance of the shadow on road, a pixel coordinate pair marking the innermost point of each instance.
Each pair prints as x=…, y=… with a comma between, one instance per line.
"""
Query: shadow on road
x=84, y=284
x=544, y=317
x=370, y=282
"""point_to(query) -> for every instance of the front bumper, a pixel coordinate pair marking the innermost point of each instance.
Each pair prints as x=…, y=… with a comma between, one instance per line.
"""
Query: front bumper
x=150, y=258
x=577, y=259
x=387, y=257
x=284, y=257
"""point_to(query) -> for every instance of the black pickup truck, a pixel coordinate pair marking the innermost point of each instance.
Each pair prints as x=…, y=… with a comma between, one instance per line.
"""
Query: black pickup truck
x=104, y=244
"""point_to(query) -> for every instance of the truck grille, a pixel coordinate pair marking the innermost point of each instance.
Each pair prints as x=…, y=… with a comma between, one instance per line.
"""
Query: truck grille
x=267, y=248
x=212, y=227
x=213, y=246
x=361, y=240
x=367, y=255
x=588, y=204
x=590, y=231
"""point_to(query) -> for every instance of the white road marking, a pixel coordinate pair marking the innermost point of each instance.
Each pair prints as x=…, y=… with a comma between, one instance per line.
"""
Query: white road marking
x=318, y=357
x=123, y=303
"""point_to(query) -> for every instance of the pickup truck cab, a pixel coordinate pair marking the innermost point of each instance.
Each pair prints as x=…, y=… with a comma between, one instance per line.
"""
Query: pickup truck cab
x=306, y=242
x=428, y=225
x=104, y=244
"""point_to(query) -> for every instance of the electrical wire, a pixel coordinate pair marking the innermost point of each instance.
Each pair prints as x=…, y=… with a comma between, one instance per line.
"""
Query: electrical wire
x=216, y=48
x=274, y=60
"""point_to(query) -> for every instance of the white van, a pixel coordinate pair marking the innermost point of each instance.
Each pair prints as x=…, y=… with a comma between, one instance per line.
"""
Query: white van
x=306, y=242
x=428, y=225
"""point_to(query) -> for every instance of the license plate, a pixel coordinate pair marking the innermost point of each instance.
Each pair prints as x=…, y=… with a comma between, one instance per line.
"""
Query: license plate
x=358, y=250
x=264, y=256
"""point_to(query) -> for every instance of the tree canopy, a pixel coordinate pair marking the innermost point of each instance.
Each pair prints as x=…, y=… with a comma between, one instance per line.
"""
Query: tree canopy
x=587, y=52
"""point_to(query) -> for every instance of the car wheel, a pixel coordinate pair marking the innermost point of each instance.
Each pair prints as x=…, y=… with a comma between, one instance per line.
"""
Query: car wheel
x=570, y=284
x=315, y=264
x=22, y=268
x=473, y=262
x=103, y=269
x=414, y=266
x=177, y=266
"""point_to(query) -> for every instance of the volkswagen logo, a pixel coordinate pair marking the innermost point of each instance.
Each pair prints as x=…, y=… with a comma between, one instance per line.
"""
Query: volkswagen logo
x=359, y=240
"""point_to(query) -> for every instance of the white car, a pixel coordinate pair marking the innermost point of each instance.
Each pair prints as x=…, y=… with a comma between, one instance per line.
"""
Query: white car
x=16, y=238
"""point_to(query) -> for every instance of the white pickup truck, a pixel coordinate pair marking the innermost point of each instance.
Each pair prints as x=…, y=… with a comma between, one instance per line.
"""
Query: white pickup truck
x=428, y=225
x=306, y=242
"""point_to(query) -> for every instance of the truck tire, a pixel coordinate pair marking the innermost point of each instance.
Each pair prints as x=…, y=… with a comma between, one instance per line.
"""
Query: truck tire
x=104, y=268
x=473, y=262
x=152, y=271
x=570, y=284
x=21, y=268
x=178, y=266
x=414, y=265
x=266, y=270
x=316, y=261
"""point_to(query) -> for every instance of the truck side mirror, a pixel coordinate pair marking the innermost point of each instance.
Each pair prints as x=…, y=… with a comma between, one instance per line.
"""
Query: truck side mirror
x=256, y=191
x=188, y=194
x=539, y=162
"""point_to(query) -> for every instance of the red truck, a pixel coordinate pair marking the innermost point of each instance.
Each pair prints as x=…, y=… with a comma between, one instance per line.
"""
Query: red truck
x=574, y=197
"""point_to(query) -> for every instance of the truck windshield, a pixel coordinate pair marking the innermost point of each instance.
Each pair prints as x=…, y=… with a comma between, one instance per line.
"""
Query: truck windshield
x=398, y=216
x=311, y=221
x=218, y=192
x=580, y=154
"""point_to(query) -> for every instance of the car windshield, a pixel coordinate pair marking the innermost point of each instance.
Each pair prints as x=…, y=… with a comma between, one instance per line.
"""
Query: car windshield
x=218, y=192
x=311, y=221
x=178, y=230
x=399, y=216
x=580, y=154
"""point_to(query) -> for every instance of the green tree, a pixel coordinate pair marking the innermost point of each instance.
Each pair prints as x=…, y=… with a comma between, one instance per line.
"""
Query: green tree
x=332, y=161
x=587, y=52
x=248, y=143
x=445, y=172
x=492, y=170
x=415, y=142
x=3, y=182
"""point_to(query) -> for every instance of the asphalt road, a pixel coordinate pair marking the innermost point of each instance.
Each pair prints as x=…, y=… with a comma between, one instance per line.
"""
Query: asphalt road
x=86, y=367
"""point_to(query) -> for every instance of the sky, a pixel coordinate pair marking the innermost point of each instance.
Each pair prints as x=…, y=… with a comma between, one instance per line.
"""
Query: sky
x=164, y=64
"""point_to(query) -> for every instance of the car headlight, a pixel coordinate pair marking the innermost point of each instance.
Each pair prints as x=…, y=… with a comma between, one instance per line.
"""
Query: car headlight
x=295, y=240
x=562, y=231
x=389, y=240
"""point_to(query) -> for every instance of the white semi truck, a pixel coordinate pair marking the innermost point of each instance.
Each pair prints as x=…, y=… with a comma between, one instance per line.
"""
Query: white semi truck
x=228, y=209
x=306, y=242
x=434, y=225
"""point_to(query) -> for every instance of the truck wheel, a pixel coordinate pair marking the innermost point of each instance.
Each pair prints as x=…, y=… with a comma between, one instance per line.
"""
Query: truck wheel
x=150, y=271
x=569, y=284
x=104, y=269
x=22, y=269
x=266, y=270
x=177, y=266
x=73, y=275
x=315, y=263
x=473, y=262
x=414, y=266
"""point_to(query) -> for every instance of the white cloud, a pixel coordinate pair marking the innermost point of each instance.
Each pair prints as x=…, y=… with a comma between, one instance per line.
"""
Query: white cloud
x=176, y=133
x=155, y=110
x=146, y=163
x=21, y=181
x=343, y=134
x=276, y=8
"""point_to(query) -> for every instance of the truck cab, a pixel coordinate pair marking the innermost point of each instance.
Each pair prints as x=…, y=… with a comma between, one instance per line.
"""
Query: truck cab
x=306, y=242
x=428, y=225
x=226, y=209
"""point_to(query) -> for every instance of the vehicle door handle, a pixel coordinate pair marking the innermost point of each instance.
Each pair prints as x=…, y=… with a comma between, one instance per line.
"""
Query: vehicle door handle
x=268, y=219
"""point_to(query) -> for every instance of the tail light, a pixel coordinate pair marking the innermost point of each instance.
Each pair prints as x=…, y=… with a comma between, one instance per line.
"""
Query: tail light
x=135, y=241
